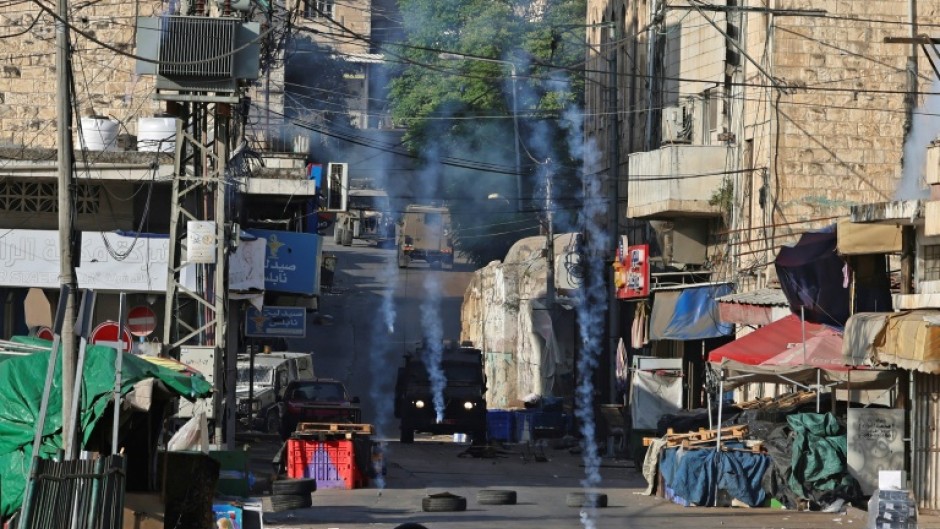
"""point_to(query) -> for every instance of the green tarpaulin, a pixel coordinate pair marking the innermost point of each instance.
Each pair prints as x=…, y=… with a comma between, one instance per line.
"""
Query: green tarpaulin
x=22, y=380
x=818, y=457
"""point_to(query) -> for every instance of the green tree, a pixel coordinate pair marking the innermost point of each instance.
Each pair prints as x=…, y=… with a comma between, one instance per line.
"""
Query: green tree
x=461, y=110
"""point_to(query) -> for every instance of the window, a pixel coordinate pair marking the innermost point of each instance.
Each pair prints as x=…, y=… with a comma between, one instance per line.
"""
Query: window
x=318, y=8
x=932, y=262
x=24, y=196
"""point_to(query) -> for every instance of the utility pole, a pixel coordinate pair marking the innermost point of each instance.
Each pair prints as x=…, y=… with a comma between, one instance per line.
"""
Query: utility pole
x=66, y=221
x=613, y=219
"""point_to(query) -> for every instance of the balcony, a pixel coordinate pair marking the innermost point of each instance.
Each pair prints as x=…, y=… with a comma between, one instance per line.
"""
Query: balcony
x=676, y=181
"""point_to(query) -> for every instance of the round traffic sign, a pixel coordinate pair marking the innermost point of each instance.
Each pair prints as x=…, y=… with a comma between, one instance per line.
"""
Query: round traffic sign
x=106, y=333
x=141, y=321
x=45, y=333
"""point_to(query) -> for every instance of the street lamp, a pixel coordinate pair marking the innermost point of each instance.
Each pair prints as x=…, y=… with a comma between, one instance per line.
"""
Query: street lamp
x=515, y=118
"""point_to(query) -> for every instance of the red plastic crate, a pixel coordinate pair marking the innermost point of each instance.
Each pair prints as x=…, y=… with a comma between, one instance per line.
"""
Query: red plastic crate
x=331, y=463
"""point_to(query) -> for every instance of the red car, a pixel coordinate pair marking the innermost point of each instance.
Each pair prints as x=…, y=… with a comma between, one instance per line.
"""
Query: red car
x=322, y=400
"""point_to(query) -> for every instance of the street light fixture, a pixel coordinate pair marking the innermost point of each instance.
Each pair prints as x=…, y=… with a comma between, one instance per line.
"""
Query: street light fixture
x=515, y=118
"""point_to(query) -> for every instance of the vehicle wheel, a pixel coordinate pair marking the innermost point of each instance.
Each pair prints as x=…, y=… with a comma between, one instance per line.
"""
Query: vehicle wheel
x=496, y=497
x=411, y=525
x=407, y=435
x=445, y=502
x=403, y=259
x=272, y=422
x=586, y=499
x=287, y=428
x=347, y=237
x=478, y=438
x=294, y=487
x=287, y=502
x=436, y=264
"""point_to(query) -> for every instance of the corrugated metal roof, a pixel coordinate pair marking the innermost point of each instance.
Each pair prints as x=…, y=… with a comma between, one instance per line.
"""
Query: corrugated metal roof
x=767, y=297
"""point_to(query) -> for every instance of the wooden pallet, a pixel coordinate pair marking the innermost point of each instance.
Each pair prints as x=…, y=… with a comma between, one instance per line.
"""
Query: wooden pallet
x=703, y=435
x=334, y=428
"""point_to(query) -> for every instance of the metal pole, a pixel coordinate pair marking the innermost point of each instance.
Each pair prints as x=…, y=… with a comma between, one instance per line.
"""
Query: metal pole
x=66, y=221
x=549, y=244
x=515, y=127
x=613, y=207
x=118, y=366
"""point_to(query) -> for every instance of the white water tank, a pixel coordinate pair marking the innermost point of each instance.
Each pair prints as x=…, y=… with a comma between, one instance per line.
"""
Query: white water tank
x=98, y=134
x=157, y=134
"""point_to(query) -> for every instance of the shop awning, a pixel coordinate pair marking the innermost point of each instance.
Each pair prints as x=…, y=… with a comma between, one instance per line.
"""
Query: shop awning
x=863, y=332
x=756, y=307
x=911, y=340
x=688, y=312
x=777, y=353
x=768, y=341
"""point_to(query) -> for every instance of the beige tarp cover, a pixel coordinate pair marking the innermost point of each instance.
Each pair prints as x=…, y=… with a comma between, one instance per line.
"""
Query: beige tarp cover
x=862, y=332
x=854, y=238
x=912, y=341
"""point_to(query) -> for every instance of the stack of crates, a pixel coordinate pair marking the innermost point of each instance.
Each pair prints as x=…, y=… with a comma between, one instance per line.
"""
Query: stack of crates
x=331, y=463
x=499, y=425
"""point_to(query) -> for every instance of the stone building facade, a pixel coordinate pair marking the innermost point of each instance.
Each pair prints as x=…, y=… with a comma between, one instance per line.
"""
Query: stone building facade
x=771, y=121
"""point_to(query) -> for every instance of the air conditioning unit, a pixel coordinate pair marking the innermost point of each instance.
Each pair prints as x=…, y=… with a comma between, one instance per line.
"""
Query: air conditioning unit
x=677, y=124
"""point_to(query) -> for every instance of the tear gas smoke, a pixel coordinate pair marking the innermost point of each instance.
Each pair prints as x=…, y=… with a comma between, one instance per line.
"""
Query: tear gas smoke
x=924, y=129
x=434, y=335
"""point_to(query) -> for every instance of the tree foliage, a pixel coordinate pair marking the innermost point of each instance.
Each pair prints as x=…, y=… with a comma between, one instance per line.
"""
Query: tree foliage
x=462, y=109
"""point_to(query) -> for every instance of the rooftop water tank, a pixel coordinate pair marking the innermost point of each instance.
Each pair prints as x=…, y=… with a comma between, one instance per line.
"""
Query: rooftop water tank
x=98, y=134
x=157, y=134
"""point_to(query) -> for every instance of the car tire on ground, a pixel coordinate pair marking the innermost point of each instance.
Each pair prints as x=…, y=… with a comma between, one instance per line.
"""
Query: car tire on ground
x=407, y=435
x=272, y=422
x=294, y=487
x=411, y=525
x=586, y=499
x=287, y=502
x=496, y=497
x=445, y=502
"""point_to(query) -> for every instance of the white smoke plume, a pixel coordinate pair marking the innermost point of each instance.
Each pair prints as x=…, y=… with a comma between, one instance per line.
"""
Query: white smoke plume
x=434, y=340
x=924, y=129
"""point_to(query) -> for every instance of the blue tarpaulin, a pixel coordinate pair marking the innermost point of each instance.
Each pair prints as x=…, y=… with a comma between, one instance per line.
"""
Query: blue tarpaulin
x=696, y=475
x=689, y=313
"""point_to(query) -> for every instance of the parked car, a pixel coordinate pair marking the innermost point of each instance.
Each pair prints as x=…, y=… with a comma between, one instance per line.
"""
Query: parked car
x=272, y=374
x=321, y=400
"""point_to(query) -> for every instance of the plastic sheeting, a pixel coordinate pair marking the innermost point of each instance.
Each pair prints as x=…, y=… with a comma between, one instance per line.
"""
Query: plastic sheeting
x=652, y=397
x=23, y=379
x=690, y=313
x=819, y=470
x=697, y=475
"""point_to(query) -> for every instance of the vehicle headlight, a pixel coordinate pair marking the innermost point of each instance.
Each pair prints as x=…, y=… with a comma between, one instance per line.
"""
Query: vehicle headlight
x=419, y=404
x=468, y=405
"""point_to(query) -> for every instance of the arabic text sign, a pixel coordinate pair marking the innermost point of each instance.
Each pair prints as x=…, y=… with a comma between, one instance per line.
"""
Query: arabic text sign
x=276, y=322
x=290, y=261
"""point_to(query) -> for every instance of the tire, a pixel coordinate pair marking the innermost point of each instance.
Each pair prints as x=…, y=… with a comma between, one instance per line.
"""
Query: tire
x=294, y=487
x=496, y=497
x=287, y=502
x=287, y=428
x=272, y=421
x=436, y=264
x=586, y=499
x=407, y=435
x=347, y=237
x=410, y=525
x=443, y=503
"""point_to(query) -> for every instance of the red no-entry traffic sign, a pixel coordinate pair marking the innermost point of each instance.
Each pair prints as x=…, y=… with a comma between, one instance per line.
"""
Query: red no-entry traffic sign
x=141, y=321
x=106, y=333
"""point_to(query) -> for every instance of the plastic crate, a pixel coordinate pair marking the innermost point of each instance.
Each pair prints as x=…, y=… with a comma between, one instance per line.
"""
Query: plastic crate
x=499, y=425
x=331, y=463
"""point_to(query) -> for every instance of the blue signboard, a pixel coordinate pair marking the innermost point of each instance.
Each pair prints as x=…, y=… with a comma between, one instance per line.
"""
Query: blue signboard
x=276, y=322
x=290, y=261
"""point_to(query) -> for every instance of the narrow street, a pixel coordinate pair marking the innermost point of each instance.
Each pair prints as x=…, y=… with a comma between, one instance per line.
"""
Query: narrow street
x=346, y=349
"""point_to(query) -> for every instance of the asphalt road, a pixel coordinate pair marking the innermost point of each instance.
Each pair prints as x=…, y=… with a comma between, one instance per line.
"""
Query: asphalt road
x=359, y=349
